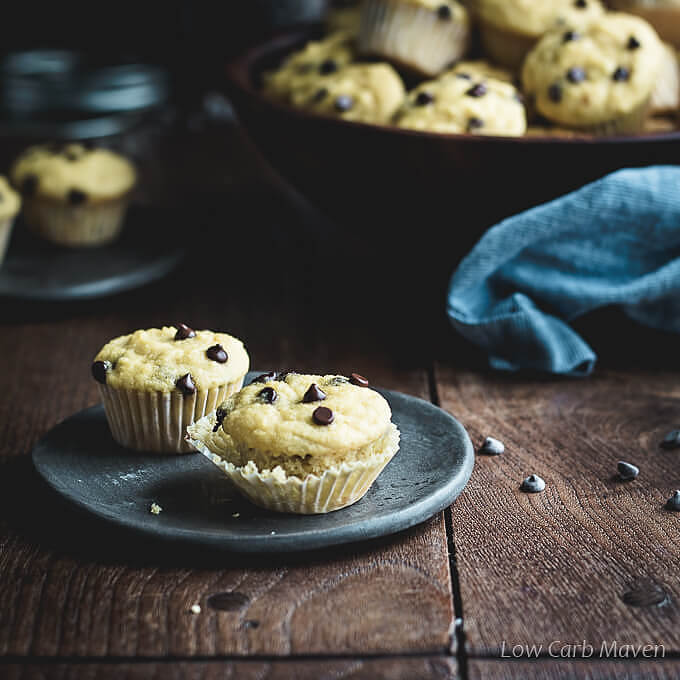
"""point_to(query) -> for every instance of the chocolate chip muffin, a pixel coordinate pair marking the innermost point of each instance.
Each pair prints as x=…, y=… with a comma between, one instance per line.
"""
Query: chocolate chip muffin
x=424, y=36
x=510, y=28
x=458, y=103
x=300, y=443
x=313, y=63
x=663, y=15
x=10, y=202
x=74, y=196
x=598, y=78
x=156, y=382
x=368, y=93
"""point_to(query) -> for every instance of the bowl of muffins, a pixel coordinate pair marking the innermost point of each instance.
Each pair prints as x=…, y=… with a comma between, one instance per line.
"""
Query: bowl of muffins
x=419, y=123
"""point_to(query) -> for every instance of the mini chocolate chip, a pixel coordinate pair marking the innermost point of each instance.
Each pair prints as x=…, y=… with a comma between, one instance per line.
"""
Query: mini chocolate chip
x=474, y=124
x=576, y=74
x=99, y=370
x=478, y=90
x=29, y=185
x=323, y=415
x=184, y=332
x=267, y=395
x=358, y=380
x=71, y=156
x=328, y=66
x=343, y=103
x=671, y=440
x=621, y=74
x=633, y=43
x=264, y=377
x=444, y=12
x=532, y=484
x=555, y=93
x=581, y=4
x=464, y=76
x=569, y=36
x=673, y=503
x=492, y=447
x=627, y=471
x=220, y=415
x=186, y=385
x=423, y=99
x=217, y=353
x=76, y=197
x=313, y=394
x=320, y=95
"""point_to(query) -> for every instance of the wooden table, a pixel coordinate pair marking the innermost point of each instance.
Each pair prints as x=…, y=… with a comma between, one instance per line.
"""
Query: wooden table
x=591, y=560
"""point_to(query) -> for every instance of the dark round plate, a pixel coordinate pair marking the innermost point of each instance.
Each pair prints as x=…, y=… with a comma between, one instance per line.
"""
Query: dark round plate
x=79, y=459
x=36, y=270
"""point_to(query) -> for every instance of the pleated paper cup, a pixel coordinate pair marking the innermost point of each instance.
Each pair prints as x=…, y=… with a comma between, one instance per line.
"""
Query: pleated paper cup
x=506, y=48
x=337, y=487
x=413, y=36
x=157, y=421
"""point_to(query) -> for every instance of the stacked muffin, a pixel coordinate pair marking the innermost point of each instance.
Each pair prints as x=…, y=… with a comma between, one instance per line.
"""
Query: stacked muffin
x=581, y=69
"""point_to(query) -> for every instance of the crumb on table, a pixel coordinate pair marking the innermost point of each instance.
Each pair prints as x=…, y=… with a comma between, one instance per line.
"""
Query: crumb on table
x=155, y=509
x=195, y=608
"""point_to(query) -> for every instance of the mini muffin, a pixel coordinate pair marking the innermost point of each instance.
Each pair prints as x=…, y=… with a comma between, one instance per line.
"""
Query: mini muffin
x=663, y=15
x=598, y=78
x=458, y=103
x=424, y=36
x=10, y=202
x=480, y=68
x=344, y=15
x=313, y=62
x=665, y=98
x=300, y=443
x=156, y=382
x=369, y=93
x=74, y=196
x=510, y=28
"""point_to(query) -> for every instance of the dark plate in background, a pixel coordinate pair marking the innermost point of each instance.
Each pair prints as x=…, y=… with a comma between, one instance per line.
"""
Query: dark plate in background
x=79, y=459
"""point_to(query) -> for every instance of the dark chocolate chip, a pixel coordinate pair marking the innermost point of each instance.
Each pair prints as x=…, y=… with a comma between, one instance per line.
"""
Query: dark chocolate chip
x=555, y=93
x=627, y=471
x=358, y=380
x=343, y=103
x=492, y=447
x=184, y=332
x=671, y=440
x=313, y=394
x=99, y=371
x=323, y=415
x=532, y=484
x=633, y=43
x=264, y=377
x=621, y=74
x=320, y=95
x=220, y=415
x=76, y=197
x=576, y=74
x=423, y=99
x=673, y=503
x=464, y=76
x=267, y=395
x=474, y=124
x=29, y=185
x=478, y=90
x=581, y=4
x=186, y=385
x=217, y=353
x=328, y=66
x=444, y=12
x=570, y=35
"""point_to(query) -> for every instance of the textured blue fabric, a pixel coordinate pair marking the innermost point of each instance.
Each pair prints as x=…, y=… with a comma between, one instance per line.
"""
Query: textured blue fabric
x=613, y=242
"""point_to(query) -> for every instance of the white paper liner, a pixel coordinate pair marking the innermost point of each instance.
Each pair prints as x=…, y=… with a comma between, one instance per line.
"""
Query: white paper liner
x=157, y=421
x=411, y=35
x=338, y=487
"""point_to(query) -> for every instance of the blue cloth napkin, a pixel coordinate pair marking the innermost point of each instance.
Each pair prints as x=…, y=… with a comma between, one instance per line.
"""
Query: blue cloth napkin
x=613, y=242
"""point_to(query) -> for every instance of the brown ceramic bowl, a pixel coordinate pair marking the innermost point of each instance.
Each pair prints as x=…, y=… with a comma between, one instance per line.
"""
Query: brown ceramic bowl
x=428, y=194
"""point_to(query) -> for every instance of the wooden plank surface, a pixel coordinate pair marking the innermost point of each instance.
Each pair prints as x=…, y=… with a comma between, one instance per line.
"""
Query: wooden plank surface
x=657, y=669
x=567, y=564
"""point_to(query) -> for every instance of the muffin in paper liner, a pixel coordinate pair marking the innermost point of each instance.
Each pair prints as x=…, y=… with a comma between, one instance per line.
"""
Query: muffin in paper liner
x=337, y=487
x=665, y=97
x=504, y=46
x=663, y=15
x=421, y=36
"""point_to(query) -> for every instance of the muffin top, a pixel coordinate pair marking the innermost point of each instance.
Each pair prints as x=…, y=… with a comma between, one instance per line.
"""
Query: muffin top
x=534, y=17
x=72, y=173
x=458, y=103
x=369, y=93
x=316, y=60
x=160, y=359
x=10, y=201
x=595, y=74
x=294, y=414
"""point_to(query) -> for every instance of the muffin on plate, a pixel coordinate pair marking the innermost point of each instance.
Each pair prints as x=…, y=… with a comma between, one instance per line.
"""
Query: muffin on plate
x=74, y=196
x=598, y=78
x=458, y=103
x=424, y=36
x=664, y=15
x=300, y=443
x=156, y=382
x=510, y=28
x=10, y=202
x=315, y=61
x=369, y=93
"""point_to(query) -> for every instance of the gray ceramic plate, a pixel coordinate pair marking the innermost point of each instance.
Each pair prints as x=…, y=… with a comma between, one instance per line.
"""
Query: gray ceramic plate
x=34, y=269
x=81, y=462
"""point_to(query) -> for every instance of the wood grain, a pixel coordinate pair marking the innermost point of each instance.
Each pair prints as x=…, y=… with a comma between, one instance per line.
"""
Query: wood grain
x=561, y=565
x=666, y=669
